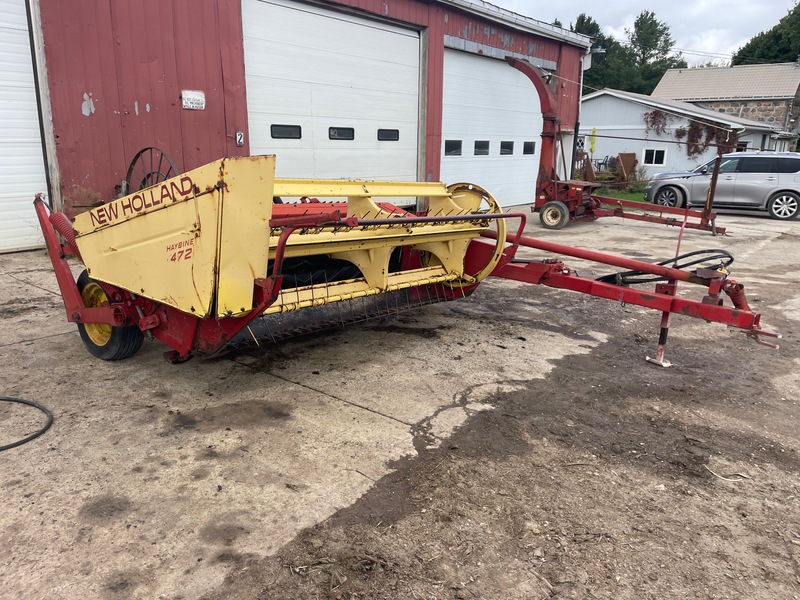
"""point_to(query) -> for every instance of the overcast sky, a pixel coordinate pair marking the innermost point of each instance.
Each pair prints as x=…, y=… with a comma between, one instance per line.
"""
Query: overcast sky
x=714, y=27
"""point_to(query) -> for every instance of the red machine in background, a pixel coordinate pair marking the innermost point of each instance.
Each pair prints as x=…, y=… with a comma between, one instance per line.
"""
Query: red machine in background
x=561, y=201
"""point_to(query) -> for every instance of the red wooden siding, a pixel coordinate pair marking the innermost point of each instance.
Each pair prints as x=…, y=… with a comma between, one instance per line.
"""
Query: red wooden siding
x=133, y=59
x=128, y=55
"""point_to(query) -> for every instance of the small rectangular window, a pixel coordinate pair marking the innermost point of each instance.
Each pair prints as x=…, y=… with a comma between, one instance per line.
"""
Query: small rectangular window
x=654, y=157
x=529, y=148
x=388, y=135
x=788, y=165
x=452, y=147
x=506, y=148
x=285, y=132
x=341, y=133
x=481, y=147
x=758, y=164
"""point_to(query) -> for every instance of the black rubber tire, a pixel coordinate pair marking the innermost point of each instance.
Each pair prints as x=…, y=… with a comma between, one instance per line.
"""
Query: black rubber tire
x=554, y=215
x=669, y=196
x=122, y=342
x=784, y=206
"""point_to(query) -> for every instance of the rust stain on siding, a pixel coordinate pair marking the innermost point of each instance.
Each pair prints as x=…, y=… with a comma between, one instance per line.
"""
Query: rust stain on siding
x=131, y=58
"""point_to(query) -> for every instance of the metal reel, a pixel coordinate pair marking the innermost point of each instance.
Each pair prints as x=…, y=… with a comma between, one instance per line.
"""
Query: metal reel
x=150, y=166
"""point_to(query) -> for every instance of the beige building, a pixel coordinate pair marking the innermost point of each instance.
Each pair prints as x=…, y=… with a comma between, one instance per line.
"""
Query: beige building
x=767, y=93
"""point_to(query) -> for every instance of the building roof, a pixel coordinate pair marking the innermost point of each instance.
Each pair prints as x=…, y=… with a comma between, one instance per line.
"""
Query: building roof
x=730, y=83
x=687, y=110
x=520, y=22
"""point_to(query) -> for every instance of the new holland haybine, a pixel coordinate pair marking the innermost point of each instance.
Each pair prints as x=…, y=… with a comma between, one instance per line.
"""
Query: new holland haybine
x=218, y=256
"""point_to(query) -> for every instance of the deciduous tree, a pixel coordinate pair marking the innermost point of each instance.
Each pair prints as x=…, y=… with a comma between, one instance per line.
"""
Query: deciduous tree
x=779, y=44
x=635, y=65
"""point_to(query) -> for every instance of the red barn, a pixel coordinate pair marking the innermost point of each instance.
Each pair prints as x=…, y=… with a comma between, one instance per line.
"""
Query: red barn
x=375, y=89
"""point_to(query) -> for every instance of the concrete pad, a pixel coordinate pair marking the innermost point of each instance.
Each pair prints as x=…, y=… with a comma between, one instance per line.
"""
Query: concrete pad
x=157, y=479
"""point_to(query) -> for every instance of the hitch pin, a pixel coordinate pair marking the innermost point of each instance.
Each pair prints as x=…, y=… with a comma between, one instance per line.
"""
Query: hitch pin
x=756, y=335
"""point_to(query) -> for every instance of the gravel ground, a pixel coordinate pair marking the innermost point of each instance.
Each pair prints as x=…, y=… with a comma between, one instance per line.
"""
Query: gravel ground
x=511, y=445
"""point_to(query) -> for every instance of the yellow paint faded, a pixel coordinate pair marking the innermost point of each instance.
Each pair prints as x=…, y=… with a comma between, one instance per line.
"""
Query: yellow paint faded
x=200, y=240
x=177, y=241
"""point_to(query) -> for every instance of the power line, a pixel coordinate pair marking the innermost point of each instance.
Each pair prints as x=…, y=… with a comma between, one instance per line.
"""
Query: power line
x=702, y=53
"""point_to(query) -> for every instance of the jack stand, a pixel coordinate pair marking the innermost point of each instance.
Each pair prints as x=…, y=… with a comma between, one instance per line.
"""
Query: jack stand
x=663, y=288
x=662, y=342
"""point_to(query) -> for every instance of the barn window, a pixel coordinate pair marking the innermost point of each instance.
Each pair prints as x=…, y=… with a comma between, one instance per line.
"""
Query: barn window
x=388, y=135
x=341, y=133
x=506, y=148
x=285, y=132
x=481, y=147
x=529, y=148
x=654, y=157
x=452, y=147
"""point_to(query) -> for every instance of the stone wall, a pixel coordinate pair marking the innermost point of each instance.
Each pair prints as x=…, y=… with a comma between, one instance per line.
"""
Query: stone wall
x=784, y=113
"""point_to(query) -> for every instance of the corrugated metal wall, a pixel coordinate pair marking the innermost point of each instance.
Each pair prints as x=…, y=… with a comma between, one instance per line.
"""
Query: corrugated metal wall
x=116, y=70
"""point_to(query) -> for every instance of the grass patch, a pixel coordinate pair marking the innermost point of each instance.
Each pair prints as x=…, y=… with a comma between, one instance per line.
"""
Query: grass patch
x=621, y=194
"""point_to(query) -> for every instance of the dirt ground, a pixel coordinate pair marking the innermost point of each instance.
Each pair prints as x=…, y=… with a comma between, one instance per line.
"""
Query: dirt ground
x=512, y=445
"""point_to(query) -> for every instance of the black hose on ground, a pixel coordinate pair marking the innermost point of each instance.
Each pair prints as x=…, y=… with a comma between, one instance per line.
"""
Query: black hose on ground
x=34, y=435
x=724, y=257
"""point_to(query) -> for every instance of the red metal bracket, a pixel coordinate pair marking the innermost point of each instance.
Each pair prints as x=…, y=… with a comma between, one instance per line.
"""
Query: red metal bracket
x=664, y=298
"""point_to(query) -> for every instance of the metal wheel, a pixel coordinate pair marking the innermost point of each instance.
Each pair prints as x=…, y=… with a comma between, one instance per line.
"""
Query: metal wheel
x=784, y=205
x=101, y=339
x=554, y=215
x=669, y=196
x=149, y=167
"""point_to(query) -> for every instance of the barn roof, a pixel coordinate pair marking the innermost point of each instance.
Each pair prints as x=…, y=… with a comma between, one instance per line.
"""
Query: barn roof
x=742, y=82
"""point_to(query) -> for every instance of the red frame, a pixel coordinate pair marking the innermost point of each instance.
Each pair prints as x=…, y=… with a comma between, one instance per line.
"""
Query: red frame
x=189, y=335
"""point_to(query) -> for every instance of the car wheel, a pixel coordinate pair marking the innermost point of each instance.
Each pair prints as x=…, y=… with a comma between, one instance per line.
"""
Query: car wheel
x=669, y=196
x=784, y=205
x=105, y=341
x=554, y=215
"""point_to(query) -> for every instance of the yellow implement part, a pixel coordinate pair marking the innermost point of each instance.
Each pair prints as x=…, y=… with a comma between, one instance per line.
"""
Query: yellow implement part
x=188, y=241
x=198, y=242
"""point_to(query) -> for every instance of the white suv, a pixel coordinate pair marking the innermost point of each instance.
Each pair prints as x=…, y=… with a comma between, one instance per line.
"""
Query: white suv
x=748, y=180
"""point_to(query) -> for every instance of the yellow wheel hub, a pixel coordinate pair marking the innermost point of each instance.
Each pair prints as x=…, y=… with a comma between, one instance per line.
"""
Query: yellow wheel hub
x=93, y=297
x=551, y=216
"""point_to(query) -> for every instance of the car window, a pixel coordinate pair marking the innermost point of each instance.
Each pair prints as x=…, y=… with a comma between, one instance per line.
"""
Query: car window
x=788, y=165
x=709, y=166
x=759, y=164
x=728, y=165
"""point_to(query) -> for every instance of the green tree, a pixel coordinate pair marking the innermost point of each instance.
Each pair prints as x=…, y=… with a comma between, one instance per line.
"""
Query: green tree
x=604, y=48
x=635, y=65
x=650, y=47
x=779, y=44
x=650, y=39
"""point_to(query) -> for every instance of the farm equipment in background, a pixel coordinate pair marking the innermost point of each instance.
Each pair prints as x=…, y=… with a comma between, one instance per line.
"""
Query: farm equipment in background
x=560, y=201
x=209, y=259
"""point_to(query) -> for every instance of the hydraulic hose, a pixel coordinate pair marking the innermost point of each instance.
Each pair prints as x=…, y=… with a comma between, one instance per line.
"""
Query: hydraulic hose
x=724, y=257
x=34, y=435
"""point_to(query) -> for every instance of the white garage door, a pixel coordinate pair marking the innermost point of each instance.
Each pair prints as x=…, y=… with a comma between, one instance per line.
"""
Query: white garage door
x=21, y=163
x=333, y=95
x=491, y=127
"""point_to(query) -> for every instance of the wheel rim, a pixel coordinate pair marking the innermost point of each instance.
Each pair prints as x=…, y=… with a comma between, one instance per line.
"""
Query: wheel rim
x=551, y=216
x=667, y=197
x=785, y=206
x=93, y=296
x=149, y=167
